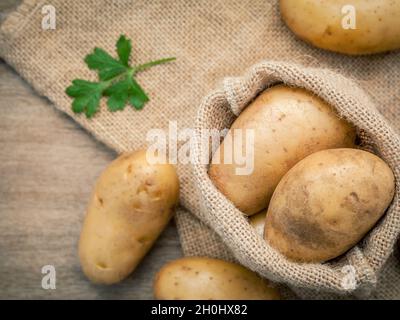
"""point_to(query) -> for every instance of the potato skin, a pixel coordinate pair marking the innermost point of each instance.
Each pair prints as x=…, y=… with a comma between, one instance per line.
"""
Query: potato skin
x=198, y=278
x=319, y=22
x=326, y=204
x=289, y=124
x=257, y=221
x=131, y=204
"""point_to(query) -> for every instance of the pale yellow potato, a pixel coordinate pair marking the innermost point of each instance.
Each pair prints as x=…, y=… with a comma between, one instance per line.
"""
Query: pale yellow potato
x=257, y=221
x=326, y=204
x=319, y=22
x=198, y=278
x=131, y=204
x=289, y=124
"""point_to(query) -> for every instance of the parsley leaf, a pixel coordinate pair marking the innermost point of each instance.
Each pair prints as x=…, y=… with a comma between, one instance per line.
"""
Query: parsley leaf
x=139, y=97
x=124, y=49
x=87, y=96
x=116, y=81
x=118, y=95
x=122, y=91
x=106, y=65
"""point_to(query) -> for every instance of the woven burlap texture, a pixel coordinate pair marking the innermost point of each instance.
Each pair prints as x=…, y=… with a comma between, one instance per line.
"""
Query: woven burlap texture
x=211, y=39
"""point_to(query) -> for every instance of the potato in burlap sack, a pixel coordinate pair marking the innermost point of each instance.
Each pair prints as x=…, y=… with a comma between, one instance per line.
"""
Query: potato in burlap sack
x=220, y=108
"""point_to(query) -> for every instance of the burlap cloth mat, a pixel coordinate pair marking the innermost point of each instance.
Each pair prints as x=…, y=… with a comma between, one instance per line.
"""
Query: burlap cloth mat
x=211, y=39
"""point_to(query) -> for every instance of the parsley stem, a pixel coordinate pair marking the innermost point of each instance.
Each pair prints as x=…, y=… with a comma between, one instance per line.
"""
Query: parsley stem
x=130, y=72
x=105, y=84
x=150, y=64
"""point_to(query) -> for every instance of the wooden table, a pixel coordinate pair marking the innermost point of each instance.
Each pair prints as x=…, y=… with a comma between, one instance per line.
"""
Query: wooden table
x=48, y=166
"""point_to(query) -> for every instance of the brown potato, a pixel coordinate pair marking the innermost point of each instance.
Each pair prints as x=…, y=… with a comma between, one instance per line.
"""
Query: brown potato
x=257, y=221
x=289, y=124
x=197, y=278
x=318, y=22
x=131, y=204
x=326, y=204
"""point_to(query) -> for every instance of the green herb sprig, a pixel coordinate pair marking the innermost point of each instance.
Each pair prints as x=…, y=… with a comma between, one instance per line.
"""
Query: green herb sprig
x=116, y=81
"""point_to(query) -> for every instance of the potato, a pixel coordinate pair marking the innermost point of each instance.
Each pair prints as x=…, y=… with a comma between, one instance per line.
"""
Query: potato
x=197, y=278
x=289, y=124
x=326, y=204
x=318, y=22
x=257, y=221
x=131, y=204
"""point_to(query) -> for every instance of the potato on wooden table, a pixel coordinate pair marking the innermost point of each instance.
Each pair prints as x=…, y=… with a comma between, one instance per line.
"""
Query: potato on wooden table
x=131, y=204
x=198, y=278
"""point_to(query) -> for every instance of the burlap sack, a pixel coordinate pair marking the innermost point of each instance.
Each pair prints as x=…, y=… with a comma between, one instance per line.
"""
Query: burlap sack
x=218, y=111
x=211, y=39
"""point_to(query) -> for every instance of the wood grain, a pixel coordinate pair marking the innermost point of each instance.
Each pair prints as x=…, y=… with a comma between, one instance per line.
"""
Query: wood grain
x=7, y=6
x=48, y=166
